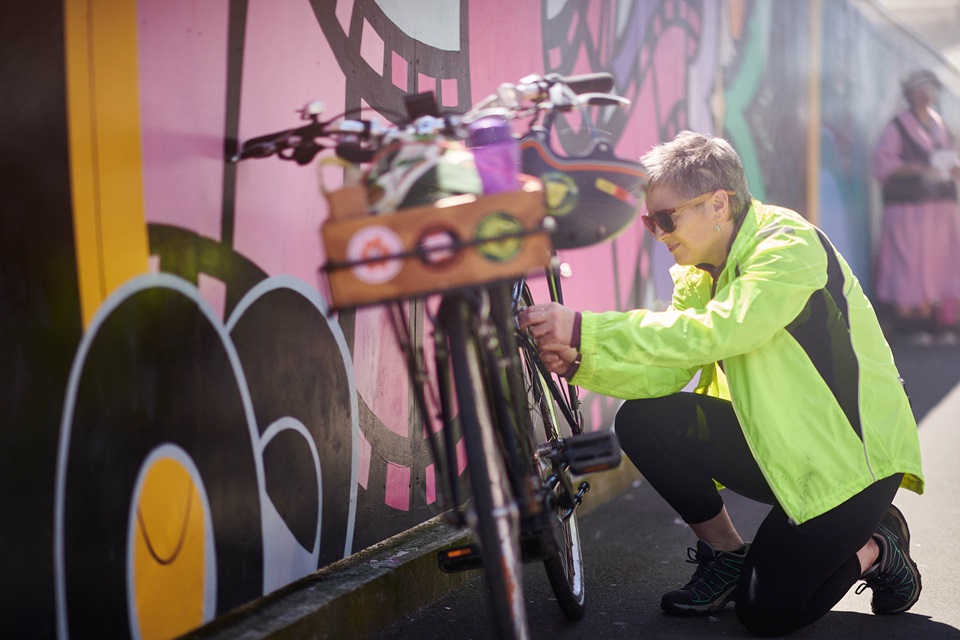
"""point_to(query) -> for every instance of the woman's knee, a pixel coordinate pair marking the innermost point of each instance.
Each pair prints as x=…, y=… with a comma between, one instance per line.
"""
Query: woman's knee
x=641, y=427
x=633, y=427
x=653, y=411
x=763, y=620
x=638, y=417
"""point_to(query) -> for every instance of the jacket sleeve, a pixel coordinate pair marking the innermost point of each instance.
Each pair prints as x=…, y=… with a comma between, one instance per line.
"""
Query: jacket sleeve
x=653, y=381
x=645, y=353
x=629, y=381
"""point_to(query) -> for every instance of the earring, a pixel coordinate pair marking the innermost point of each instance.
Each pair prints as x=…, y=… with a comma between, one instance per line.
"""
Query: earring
x=717, y=228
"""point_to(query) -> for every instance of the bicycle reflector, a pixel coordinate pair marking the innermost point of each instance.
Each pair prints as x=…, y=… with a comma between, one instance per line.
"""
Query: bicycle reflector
x=592, y=197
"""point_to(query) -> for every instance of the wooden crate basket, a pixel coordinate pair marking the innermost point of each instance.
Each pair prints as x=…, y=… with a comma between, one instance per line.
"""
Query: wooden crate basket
x=457, y=242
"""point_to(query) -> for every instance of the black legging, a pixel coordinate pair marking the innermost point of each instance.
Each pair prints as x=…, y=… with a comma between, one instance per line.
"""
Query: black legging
x=793, y=575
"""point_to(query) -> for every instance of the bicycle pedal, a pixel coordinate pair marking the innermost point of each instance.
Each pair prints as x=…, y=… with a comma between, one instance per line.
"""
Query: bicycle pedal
x=459, y=559
x=592, y=452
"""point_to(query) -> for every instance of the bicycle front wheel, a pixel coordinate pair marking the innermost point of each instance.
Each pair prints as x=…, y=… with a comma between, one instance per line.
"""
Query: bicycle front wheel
x=497, y=520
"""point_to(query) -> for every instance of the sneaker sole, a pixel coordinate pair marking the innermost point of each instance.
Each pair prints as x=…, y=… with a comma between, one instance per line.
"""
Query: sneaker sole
x=903, y=532
x=698, y=609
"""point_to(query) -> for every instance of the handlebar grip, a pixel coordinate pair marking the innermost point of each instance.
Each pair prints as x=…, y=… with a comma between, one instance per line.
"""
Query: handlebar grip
x=599, y=82
x=301, y=139
x=263, y=146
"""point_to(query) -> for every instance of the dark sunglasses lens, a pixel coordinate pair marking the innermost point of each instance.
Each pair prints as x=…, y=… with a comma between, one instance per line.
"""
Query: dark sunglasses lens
x=648, y=223
x=662, y=219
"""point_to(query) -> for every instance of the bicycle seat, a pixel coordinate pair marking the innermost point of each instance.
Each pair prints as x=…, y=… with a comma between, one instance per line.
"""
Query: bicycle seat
x=592, y=197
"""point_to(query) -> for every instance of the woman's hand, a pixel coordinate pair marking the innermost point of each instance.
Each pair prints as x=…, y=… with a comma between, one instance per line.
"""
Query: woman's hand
x=558, y=362
x=551, y=327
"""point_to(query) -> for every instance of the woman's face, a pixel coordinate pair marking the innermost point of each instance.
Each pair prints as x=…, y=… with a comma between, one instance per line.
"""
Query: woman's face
x=695, y=240
x=923, y=95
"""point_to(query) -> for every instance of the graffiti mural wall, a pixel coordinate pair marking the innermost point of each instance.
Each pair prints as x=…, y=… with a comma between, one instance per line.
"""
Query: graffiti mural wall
x=186, y=426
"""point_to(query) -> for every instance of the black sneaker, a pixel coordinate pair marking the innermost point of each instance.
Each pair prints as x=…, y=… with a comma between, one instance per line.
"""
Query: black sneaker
x=712, y=584
x=895, y=579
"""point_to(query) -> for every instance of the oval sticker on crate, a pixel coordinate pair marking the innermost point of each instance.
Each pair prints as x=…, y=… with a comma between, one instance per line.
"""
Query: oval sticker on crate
x=495, y=226
x=437, y=246
x=367, y=246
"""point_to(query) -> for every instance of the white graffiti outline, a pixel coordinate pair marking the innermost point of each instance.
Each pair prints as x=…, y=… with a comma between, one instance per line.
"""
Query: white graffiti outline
x=167, y=281
x=314, y=297
x=275, y=542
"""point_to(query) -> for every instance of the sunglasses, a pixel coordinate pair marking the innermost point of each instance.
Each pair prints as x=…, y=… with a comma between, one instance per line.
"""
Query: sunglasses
x=664, y=218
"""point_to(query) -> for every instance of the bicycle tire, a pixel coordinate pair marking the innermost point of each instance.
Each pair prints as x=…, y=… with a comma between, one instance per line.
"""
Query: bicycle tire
x=564, y=567
x=497, y=521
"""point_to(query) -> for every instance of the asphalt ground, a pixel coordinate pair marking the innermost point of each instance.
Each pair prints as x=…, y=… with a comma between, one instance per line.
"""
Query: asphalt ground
x=635, y=550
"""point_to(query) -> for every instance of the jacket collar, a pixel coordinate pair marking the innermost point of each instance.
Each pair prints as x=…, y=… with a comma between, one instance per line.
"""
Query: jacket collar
x=715, y=271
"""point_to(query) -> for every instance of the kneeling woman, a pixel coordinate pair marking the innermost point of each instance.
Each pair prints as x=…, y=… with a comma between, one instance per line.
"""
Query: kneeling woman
x=799, y=403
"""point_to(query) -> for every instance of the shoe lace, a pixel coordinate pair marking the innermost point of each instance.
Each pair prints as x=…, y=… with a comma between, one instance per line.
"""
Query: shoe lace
x=885, y=582
x=709, y=571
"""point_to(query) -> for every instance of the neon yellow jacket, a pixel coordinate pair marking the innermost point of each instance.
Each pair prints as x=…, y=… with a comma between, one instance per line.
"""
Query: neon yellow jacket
x=791, y=339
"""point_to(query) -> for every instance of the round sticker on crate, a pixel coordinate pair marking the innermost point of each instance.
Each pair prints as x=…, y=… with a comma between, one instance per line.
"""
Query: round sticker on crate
x=498, y=225
x=370, y=243
x=437, y=247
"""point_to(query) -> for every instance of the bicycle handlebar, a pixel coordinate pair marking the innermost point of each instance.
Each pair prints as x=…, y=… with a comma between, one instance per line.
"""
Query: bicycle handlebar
x=357, y=140
x=304, y=143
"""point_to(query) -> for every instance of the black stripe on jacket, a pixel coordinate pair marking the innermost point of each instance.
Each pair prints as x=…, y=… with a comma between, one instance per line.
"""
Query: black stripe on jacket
x=822, y=330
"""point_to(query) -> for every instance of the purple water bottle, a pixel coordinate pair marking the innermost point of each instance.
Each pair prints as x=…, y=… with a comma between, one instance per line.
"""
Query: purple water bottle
x=495, y=153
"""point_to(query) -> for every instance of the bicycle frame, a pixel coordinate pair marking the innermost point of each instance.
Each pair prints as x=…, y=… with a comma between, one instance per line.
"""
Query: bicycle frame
x=443, y=449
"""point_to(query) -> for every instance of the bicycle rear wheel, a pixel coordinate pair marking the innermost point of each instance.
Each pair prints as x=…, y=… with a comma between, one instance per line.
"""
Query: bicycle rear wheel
x=564, y=566
x=497, y=520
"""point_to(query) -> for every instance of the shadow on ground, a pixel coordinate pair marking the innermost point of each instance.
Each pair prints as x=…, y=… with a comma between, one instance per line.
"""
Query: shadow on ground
x=929, y=373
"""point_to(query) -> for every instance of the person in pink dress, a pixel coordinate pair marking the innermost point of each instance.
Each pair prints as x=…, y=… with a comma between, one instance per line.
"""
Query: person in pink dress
x=918, y=263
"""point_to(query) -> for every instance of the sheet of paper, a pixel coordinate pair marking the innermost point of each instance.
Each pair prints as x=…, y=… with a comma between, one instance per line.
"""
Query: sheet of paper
x=943, y=161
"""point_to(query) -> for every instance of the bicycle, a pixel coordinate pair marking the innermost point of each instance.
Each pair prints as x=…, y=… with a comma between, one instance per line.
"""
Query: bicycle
x=522, y=427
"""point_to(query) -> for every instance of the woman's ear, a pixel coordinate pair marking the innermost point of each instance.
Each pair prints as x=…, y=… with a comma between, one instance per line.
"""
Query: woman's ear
x=721, y=206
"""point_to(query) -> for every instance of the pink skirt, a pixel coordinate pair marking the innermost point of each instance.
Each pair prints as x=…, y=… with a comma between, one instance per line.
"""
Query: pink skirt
x=918, y=262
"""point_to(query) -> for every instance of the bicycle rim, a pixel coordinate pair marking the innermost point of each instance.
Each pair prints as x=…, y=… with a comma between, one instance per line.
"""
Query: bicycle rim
x=496, y=519
x=564, y=567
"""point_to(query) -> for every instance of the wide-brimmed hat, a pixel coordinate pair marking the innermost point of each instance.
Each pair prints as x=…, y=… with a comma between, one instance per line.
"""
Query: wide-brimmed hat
x=920, y=77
